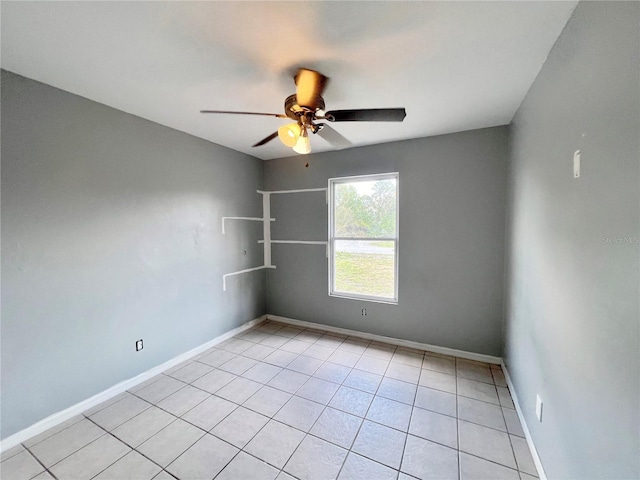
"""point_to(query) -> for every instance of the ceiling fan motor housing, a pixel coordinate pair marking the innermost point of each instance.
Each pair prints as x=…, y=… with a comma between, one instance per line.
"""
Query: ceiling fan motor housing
x=295, y=111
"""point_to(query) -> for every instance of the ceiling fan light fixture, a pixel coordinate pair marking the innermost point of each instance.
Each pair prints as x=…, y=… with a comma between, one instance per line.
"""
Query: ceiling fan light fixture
x=303, y=145
x=306, y=106
x=289, y=134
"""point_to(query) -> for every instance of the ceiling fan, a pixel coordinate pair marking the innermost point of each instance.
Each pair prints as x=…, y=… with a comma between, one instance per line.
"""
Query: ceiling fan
x=306, y=108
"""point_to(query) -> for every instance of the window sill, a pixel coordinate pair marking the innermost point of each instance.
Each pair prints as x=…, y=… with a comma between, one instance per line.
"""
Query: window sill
x=387, y=301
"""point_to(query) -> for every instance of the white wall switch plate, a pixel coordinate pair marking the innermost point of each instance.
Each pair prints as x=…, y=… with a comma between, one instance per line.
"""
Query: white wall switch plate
x=576, y=164
x=539, y=408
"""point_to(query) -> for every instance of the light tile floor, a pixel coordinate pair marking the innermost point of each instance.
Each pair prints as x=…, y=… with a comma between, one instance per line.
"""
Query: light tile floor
x=284, y=402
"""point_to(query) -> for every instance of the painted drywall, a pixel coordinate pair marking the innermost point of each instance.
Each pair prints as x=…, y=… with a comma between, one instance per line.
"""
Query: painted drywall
x=111, y=232
x=572, y=313
x=451, y=242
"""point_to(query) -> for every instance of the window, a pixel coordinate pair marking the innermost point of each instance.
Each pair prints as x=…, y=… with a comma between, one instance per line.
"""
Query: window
x=363, y=237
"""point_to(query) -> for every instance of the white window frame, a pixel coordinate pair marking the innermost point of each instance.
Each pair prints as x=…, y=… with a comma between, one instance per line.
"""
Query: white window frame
x=332, y=237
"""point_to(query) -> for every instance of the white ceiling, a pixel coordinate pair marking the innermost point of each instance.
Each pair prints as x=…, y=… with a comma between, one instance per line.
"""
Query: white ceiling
x=455, y=66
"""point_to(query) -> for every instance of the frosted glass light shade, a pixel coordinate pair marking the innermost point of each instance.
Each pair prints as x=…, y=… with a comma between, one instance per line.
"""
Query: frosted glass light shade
x=303, y=145
x=289, y=134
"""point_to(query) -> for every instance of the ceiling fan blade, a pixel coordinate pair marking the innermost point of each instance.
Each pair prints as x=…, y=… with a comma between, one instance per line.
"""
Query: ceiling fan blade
x=277, y=115
x=309, y=87
x=367, y=115
x=333, y=137
x=266, y=139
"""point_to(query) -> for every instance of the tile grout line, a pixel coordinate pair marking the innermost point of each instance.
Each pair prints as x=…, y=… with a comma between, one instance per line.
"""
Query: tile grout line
x=176, y=417
x=167, y=472
x=492, y=461
x=133, y=449
x=513, y=450
x=173, y=421
x=67, y=456
x=23, y=444
x=323, y=410
x=222, y=440
x=406, y=437
x=38, y=460
x=364, y=418
x=517, y=469
x=413, y=407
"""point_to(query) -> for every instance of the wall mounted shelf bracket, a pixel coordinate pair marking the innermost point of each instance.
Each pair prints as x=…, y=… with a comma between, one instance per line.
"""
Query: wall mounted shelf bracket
x=266, y=230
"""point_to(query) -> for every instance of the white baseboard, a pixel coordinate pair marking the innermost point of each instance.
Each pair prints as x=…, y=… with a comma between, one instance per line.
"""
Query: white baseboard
x=395, y=341
x=78, y=408
x=527, y=433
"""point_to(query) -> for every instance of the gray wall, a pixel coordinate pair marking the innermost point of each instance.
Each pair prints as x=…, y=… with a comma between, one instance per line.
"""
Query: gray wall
x=573, y=255
x=111, y=233
x=451, y=240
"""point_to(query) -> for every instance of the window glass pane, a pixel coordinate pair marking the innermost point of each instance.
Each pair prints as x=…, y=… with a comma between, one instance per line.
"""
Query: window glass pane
x=365, y=267
x=365, y=209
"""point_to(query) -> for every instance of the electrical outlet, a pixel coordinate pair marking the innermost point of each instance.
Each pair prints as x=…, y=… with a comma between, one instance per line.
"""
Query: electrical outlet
x=539, y=408
x=364, y=312
x=138, y=345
